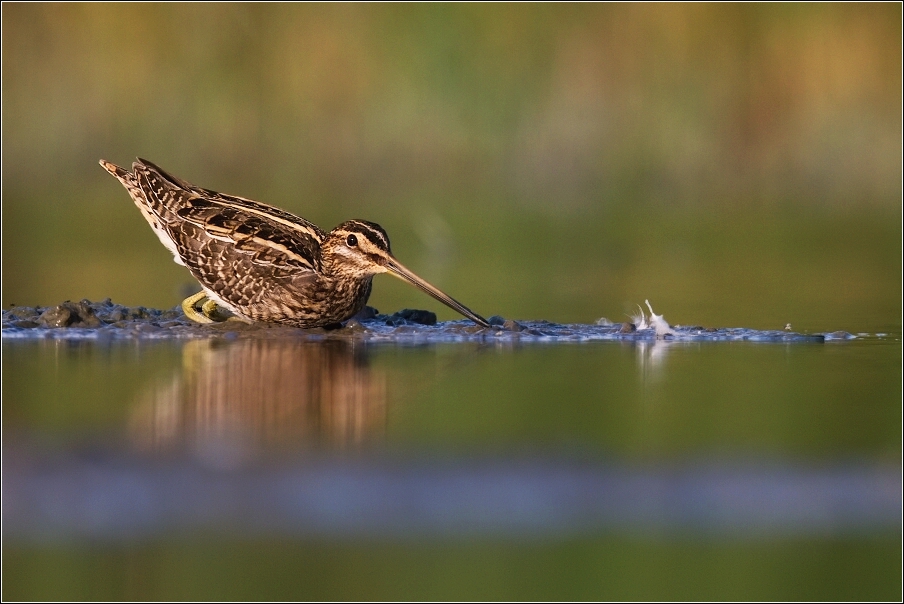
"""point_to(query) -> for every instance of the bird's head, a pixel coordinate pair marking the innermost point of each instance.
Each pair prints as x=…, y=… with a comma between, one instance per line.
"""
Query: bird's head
x=356, y=247
x=360, y=249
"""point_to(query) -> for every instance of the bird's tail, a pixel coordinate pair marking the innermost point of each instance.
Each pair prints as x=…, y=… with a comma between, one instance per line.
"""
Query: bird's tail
x=151, y=207
x=123, y=175
x=127, y=179
x=152, y=189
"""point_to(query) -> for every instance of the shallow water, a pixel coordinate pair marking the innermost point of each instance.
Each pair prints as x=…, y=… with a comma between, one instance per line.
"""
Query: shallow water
x=412, y=461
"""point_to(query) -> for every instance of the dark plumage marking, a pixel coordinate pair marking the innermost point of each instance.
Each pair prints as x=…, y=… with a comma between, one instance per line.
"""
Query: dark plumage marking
x=372, y=231
x=246, y=228
x=267, y=242
x=200, y=202
x=222, y=221
x=262, y=210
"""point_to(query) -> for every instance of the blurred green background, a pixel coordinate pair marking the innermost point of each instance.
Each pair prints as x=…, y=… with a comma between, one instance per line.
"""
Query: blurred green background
x=733, y=164
x=737, y=165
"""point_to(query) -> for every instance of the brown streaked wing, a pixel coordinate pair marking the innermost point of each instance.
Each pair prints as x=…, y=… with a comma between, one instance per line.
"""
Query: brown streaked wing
x=262, y=209
x=265, y=240
x=257, y=208
x=268, y=235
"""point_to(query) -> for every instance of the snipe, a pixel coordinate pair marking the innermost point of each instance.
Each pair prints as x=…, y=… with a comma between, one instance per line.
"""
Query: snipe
x=260, y=262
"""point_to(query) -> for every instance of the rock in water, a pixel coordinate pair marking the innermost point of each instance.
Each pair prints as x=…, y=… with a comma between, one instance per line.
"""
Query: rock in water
x=70, y=314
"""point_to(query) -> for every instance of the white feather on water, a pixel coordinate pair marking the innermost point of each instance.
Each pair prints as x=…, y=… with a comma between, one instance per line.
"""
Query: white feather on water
x=655, y=322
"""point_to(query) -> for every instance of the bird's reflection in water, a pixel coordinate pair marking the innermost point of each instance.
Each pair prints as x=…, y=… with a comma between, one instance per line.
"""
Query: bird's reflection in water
x=264, y=395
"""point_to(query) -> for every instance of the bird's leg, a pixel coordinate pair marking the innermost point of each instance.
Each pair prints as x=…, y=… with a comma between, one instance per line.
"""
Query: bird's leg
x=188, y=307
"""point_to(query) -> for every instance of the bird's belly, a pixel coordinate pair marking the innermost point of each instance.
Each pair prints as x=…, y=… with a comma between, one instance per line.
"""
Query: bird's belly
x=161, y=233
x=316, y=305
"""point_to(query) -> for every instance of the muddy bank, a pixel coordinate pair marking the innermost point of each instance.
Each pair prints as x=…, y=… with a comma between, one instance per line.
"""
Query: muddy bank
x=108, y=320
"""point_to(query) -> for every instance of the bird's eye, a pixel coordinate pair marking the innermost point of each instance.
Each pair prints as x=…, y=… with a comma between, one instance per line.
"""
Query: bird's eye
x=351, y=240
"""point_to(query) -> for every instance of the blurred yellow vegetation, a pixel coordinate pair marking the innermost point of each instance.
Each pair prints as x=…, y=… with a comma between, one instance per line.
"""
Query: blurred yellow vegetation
x=347, y=97
x=550, y=120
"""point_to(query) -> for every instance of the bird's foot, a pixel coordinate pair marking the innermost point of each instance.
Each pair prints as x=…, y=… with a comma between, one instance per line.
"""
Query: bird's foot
x=209, y=311
x=188, y=307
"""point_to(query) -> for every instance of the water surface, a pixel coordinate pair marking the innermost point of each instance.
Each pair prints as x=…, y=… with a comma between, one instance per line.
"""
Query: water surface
x=171, y=468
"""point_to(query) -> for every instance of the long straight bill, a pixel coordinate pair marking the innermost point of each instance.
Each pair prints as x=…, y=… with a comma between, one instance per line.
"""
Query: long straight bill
x=395, y=268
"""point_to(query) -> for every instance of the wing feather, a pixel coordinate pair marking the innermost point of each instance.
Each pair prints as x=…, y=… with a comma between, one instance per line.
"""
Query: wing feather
x=266, y=241
x=269, y=236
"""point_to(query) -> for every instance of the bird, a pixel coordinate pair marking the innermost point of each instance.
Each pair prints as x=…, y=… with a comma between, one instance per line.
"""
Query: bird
x=261, y=263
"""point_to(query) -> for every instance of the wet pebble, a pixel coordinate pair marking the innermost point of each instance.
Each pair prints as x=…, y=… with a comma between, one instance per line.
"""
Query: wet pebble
x=410, y=315
x=22, y=312
x=367, y=313
x=496, y=320
x=511, y=325
x=70, y=314
x=57, y=316
x=25, y=323
x=354, y=326
x=627, y=328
